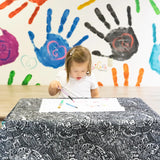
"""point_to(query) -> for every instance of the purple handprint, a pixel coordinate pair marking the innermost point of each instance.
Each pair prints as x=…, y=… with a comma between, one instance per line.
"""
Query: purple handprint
x=8, y=48
x=54, y=50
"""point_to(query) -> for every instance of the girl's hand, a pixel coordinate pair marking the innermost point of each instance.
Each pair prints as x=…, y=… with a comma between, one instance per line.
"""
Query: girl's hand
x=54, y=87
x=57, y=84
x=94, y=93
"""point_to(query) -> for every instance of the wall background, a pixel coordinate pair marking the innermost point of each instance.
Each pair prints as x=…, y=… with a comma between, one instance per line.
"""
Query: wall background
x=27, y=62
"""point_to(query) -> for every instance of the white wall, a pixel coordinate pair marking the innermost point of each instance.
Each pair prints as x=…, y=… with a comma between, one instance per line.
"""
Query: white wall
x=141, y=24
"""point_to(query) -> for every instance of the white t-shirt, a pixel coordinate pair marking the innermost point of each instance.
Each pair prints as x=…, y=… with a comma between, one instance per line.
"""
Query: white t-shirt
x=77, y=88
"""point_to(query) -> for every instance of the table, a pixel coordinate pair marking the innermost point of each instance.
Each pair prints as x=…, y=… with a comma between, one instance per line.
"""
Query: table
x=130, y=135
x=9, y=95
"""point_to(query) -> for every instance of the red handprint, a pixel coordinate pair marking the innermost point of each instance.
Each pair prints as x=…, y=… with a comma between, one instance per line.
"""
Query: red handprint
x=16, y=11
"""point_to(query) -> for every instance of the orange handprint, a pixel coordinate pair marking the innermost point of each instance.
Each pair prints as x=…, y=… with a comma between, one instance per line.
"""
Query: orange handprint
x=16, y=11
x=100, y=84
x=114, y=75
x=126, y=75
x=140, y=76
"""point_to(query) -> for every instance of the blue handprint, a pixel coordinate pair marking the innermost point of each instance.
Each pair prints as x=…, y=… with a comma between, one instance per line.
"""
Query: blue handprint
x=54, y=50
x=154, y=60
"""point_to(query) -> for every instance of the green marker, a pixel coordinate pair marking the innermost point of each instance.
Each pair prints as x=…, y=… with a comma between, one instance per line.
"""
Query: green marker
x=60, y=104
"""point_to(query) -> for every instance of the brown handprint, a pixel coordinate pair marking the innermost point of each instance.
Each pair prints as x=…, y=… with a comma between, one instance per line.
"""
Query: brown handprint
x=19, y=9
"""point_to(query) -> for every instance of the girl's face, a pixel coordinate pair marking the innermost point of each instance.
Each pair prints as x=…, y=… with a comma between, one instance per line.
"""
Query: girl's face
x=78, y=70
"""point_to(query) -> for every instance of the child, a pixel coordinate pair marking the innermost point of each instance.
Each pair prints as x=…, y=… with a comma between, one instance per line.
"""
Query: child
x=77, y=80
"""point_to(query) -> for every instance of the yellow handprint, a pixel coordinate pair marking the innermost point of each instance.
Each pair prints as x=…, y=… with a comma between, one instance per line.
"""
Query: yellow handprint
x=85, y=4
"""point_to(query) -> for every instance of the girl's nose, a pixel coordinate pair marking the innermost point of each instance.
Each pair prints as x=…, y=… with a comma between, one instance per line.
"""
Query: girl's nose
x=79, y=74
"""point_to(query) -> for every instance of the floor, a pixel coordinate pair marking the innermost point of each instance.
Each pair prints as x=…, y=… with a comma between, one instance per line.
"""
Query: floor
x=11, y=94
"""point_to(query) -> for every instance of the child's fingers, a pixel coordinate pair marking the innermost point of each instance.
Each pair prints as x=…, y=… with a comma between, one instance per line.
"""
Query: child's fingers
x=59, y=85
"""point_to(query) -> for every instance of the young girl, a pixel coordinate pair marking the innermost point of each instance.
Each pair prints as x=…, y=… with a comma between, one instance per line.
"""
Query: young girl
x=77, y=80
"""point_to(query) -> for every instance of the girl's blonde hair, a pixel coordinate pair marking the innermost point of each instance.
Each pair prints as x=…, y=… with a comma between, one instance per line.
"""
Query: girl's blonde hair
x=78, y=54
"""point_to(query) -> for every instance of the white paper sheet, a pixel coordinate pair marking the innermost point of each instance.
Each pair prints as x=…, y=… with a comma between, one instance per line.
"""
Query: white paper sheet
x=83, y=105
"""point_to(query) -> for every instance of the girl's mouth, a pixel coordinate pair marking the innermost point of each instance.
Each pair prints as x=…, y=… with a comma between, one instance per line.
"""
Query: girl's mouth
x=78, y=78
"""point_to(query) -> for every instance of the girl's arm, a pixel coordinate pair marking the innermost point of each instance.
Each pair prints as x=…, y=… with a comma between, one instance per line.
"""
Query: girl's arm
x=54, y=87
x=94, y=93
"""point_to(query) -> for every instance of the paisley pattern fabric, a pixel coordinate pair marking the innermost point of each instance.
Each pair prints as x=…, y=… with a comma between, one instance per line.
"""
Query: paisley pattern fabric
x=130, y=135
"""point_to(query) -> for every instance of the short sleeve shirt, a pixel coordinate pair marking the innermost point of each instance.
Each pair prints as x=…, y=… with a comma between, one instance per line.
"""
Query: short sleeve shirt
x=77, y=88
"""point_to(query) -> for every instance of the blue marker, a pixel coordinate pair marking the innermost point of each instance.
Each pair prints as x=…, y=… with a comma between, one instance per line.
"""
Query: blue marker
x=71, y=105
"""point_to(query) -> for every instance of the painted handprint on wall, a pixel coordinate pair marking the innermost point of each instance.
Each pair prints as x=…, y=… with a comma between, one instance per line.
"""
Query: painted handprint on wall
x=126, y=75
x=154, y=60
x=54, y=50
x=122, y=40
x=19, y=9
x=85, y=4
x=28, y=62
x=8, y=48
x=153, y=4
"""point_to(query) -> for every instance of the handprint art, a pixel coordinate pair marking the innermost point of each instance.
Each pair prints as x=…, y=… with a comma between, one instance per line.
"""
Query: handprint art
x=153, y=4
x=54, y=50
x=8, y=48
x=126, y=76
x=85, y=4
x=26, y=80
x=122, y=40
x=154, y=59
x=19, y=9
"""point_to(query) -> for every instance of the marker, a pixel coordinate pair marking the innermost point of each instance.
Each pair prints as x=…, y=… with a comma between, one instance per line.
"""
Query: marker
x=67, y=94
x=60, y=104
x=71, y=105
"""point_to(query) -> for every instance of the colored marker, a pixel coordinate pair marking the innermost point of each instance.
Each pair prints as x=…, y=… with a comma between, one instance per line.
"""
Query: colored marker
x=71, y=105
x=67, y=94
x=60, y=104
